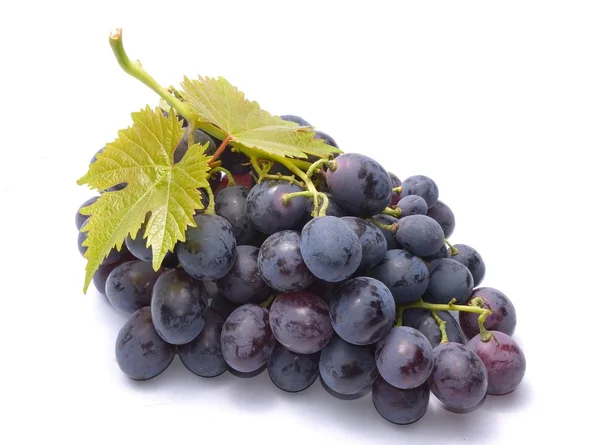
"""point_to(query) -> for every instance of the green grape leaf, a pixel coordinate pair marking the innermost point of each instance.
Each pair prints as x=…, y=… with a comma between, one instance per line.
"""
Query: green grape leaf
x=142, y=157
x=218, y=102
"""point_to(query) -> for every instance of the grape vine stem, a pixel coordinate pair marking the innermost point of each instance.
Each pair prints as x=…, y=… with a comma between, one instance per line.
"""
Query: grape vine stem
x=230, y=178
x=391, y=227
x=442, y=324
x=221, y=149
x=453, y=250
x=392, y=212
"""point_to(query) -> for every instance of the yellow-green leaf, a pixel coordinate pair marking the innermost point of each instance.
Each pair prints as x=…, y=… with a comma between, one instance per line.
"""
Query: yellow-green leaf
x=142, y=157
x=218, y=102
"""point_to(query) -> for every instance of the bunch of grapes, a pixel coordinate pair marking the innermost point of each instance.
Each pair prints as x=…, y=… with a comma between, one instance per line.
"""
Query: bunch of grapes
x=353, y=281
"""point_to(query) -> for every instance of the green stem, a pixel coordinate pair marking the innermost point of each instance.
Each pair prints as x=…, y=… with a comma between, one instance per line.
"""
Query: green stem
x=397, y=189
x=399, y=315
x=475, y=307
x=313, y=168
x=211, y=201
x=392, y=212
x=286, y=198
x=135, y=69
x=453, y=250
x=442, y=324
x=278, y=177
x=391, y=227
x=227, y=173
x=268, y=301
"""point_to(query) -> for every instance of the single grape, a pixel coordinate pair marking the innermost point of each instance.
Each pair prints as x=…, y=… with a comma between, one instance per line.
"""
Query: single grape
x=405, y=274
x=503, y=317
x=448, y=279
x=404, y=357
x=222, y=305
x=290, y=371
x=137, y=246
x=200, y=137
x=423, y=321
x=81, y=219
x=503, y=359
x=412, y=205
x=472, y=260
x=281, y=265
x=230, y=203
x=396, y=182
x=178, y=307
x=333, y=208
x=203, y=354
x=114, y=255
x=243, y=284
x=420, y=234
x=246, y=339
x=360, y=184
x=325, y=138
x=371, y=239
x=141, y=353
x=400, y=406
x=101, y=275
x=390, y=237
x=330, y=249
x=459, y=378
x=296, y=119
x=347, y=369
x=208, y=252
x=421, y=186
x=129, y=286
x=268, y=213
x=444, y=216
x=300, y=322
x=364, y=312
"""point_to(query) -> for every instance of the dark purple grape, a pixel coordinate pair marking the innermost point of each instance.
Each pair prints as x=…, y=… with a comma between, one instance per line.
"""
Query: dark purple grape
x=208, y=252
x=390, y=237
x=281, y=265
x=400, y=406
x=203, y=355
x=333, y=208
x=325, y=138
x=141, y=353
x=412, y=205
x=360, y=184
x=420, y=234
x=364, y=312
x=230, y=203
x=178, y=307
x=459, y=378
x=405, y=274
x=503, y=359
x=503, y=317
x=404, y=357
x=290, y=371
x=200, y=137
x=223, y=306
x=246, y=339
x=300, y=322
x=81, y=219
x=371, y=239
x=268, y=213
x=129, y=286
x=444, y=216
x=421, y=186
x=137, y=246
x=296, y=119
x=347, y=369
x=472, y=260
x=448, y=279
x=396, y=182
x=243, y=284
x=101, y=275
x=330, y=249
x=423, y=321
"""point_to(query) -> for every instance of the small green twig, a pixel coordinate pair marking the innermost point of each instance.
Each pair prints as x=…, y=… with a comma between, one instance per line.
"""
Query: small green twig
x=397, y=189
x=230, y=178
x=313, y=168
x=442, y=324
x=268, y=301
x=286, y=198
x=392, y=212
x=391, y=227
x=453, y=250
x=399, y=315
x=210, y=209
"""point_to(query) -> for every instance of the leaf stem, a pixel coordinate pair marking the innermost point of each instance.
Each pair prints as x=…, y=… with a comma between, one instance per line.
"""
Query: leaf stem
x=391, y=227
x=286, y=198
x=442, y=324
x=135, y=69
x=453, y=250
x=221, y=149
x=210, y=209
x=230, y=178
x=313, y=168
x=392, y=212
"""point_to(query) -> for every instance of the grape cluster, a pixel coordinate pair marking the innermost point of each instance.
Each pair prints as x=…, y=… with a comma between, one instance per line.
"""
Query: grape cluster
x=355, y=284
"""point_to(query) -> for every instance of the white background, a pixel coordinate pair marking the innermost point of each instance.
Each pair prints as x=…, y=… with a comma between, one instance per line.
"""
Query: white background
x=499, y=102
